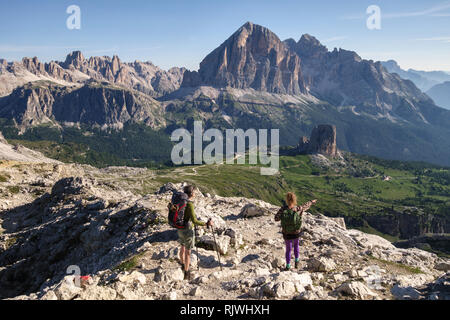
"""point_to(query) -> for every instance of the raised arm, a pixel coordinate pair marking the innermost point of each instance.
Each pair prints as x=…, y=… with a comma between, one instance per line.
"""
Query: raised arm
x=306, y=206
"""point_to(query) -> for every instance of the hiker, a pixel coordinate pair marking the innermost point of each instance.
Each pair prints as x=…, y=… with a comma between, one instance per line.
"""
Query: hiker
x=184, y=219
x=290, y=216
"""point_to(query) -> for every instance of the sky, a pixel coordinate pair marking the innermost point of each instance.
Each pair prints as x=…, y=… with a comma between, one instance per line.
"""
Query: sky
x=182, y=32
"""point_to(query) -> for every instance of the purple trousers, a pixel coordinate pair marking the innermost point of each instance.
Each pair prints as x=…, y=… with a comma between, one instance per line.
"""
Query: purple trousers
x=289, y=244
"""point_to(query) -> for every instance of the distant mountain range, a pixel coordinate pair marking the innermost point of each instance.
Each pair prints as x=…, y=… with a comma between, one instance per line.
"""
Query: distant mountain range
x=424, y=80
x=77, y=70
x=252, y=80
x=436, y=84
x=440, y=93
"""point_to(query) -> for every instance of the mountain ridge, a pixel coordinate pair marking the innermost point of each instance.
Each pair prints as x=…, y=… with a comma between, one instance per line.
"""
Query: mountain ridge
x=252, y=80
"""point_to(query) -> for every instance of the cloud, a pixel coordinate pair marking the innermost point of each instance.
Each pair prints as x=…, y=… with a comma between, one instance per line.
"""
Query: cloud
x=433, y=11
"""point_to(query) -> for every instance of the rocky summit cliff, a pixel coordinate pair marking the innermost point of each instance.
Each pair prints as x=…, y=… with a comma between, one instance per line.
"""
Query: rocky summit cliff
x=322, y=141
x=77, y=70
x=85, y=219
x=94, y=103
x=253, y=57
x=343, y=78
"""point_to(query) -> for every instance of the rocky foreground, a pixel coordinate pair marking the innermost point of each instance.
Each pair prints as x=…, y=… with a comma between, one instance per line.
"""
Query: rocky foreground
x=64, y=220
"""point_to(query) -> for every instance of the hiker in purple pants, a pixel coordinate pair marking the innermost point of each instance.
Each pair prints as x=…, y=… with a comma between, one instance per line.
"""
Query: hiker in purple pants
x=290, y=216
x=289, y=245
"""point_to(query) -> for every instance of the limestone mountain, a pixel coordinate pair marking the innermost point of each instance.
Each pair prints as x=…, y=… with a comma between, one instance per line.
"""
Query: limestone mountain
x=142, y=76
x=252, y=80
x=253, y=57
x=322, y=141
x=94, y=104
x=440, y=93
x=77, y=70
x=424, y=80
x=343, y=78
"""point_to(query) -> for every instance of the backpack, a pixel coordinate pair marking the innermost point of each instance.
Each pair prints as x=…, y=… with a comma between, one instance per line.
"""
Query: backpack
x=176, y=208
x=291, y=221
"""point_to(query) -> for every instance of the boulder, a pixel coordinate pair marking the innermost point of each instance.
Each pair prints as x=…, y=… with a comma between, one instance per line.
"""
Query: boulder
x=133, y=277
x=220, y=243
x=252, y=211
x=405, y=293
x=170, y=296
x=443, y=266
x=196, y=292
x=356, y=289
x=67, y=289
x=321, y=264
x=169, y=275
x=98, y=293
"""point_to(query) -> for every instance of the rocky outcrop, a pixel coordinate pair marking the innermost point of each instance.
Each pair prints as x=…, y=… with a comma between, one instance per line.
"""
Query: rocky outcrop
x=322, y=141
x=141, y=76
x=343, y=78
x=94, y=103
x=123, y=249
x=253, y=57
x=430, y=242
x=76, y=70
x=20, y=153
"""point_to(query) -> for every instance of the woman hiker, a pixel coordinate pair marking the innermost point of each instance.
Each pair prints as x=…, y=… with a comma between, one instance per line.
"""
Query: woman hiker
x=186, y=237
x=290, y=216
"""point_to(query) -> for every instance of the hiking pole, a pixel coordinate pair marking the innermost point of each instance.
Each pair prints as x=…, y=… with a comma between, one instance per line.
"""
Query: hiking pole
x=217, y=248
x=196, y=249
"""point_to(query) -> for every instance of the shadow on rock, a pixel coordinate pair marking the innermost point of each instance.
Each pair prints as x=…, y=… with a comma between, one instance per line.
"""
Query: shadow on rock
x=71, y=226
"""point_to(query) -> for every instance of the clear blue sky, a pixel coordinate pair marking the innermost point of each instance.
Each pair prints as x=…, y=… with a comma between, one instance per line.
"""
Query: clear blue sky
x=182, y=32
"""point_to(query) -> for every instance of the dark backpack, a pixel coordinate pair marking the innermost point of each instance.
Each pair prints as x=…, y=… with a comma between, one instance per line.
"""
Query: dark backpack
x=291, y=221
x=177, y=206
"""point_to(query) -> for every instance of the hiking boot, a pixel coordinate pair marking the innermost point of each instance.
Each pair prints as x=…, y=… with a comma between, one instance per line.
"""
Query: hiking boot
x=187, y=275
x=297, y=264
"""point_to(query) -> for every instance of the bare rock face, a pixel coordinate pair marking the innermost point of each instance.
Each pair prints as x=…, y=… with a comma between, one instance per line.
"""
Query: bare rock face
x=343, y=78
x=323, y=141
x=94, y=103
x=77, y=70
x=141, y=76
x=253, y=57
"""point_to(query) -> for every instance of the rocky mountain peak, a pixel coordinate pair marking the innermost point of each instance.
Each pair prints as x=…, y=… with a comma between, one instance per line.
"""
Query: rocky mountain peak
x=322, y=141
x=75, y=58
x=310, y=46
x=253, y=57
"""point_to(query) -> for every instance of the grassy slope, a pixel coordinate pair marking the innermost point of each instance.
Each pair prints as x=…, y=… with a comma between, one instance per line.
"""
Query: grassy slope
x=342, y=193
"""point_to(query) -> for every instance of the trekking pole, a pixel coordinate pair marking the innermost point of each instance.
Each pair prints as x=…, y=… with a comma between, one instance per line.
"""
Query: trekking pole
x=217, y=248
x=196, y=250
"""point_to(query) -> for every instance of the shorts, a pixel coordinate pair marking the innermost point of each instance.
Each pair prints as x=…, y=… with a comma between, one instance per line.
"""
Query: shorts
x=186, y=237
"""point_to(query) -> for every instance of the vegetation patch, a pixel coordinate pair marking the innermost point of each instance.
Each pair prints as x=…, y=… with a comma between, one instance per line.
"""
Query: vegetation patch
x=129, y=264
x=408, y=269
x=13, y=189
